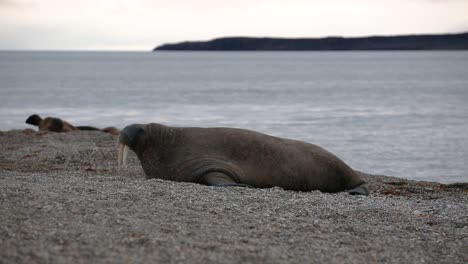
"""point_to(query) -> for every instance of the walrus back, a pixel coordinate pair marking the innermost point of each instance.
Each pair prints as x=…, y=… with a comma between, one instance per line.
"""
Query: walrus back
x=268, y=161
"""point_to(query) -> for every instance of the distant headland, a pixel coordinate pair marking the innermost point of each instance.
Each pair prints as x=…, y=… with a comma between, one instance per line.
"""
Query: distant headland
x=404, y=42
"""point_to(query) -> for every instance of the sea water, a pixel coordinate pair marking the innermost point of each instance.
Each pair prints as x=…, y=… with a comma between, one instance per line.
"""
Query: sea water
x=399, y=113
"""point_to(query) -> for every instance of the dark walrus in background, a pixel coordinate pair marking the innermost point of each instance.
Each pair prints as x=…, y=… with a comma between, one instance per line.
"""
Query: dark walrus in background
x=58, y=125
x=236, y=157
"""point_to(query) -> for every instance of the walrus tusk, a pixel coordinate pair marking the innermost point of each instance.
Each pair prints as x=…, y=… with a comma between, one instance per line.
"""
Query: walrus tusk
x=123, y=154
x=120, y=152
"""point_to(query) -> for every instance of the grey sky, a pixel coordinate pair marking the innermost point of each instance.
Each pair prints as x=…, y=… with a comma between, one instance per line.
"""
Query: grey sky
x=143, y=24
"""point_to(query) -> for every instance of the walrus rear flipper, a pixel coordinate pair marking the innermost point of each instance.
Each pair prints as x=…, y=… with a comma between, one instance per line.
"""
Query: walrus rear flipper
x=220, y=179
x=87, y=128
x=110, y=130
x=360, y=190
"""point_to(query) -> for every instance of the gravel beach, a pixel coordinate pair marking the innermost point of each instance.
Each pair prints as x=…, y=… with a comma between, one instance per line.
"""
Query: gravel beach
x=63, y=199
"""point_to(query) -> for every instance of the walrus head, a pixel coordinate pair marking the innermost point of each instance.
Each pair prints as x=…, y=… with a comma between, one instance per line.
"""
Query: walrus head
x=130, y=137
x=34, y=120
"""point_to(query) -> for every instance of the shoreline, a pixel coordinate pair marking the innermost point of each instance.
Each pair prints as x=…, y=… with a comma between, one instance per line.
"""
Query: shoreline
x=454, y=41
x=64, y=199
x=27, y=130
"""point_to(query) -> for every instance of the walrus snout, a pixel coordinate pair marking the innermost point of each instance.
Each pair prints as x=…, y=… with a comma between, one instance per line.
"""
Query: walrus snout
x=130, y=134
x=128, y=138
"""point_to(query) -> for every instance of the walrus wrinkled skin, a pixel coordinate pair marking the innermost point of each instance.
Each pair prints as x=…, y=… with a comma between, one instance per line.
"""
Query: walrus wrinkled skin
x=237, y=157
x=58, y=125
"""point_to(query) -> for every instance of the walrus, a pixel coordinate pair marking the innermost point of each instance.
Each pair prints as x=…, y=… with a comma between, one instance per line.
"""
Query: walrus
x=236, y=157
x=58, y=125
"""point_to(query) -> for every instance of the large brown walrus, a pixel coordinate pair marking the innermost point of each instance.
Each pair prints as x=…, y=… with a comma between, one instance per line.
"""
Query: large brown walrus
x=236, y=157
x=58, y=125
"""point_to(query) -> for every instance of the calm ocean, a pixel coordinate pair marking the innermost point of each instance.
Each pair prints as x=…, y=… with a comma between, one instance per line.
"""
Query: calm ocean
x=403, y=114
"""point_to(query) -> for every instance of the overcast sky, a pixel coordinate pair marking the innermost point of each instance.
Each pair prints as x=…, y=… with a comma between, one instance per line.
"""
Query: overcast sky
x=143, y=24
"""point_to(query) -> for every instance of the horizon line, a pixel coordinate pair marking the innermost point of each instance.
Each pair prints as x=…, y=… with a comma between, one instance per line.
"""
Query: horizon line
x=231, y=36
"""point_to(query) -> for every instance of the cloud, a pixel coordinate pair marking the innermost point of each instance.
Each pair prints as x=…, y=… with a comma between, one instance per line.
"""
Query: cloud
x=16, y=3
x=7, y=3
x=111, y=24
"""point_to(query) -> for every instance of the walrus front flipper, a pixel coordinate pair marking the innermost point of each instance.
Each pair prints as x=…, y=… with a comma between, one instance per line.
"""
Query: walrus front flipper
x=220, y=179
x=359, y=190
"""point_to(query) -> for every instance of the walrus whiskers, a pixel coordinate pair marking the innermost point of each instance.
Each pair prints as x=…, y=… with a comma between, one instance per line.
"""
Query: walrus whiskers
x=123, y=154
